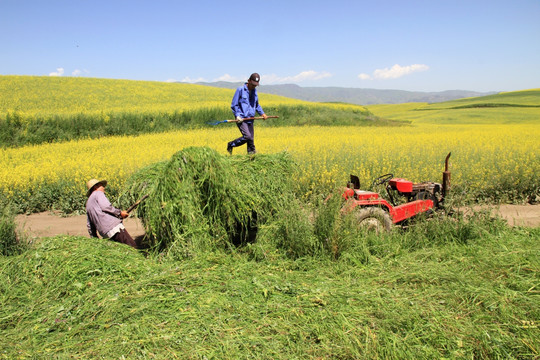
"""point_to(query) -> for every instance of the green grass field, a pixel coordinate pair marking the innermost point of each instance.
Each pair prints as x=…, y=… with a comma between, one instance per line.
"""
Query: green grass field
x=463, y=291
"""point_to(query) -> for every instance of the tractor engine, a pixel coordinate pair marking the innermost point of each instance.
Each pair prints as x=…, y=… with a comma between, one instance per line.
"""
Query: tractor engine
x=412, y=191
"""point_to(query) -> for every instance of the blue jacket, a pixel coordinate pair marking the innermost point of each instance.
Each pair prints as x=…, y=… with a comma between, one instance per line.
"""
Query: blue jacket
x=245, y=103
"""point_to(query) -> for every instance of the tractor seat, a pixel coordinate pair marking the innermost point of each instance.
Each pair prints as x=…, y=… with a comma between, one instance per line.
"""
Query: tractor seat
x=401, y=185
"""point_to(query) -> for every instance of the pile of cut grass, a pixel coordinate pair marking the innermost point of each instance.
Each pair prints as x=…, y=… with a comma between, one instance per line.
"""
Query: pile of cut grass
x=201, y=200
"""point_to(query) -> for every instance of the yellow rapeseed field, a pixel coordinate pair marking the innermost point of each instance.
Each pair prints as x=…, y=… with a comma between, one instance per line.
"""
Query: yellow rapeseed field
x=35, y=96
x=481, y=154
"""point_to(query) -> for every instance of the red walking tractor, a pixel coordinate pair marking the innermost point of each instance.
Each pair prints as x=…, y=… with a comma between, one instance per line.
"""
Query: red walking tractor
x=376, y=213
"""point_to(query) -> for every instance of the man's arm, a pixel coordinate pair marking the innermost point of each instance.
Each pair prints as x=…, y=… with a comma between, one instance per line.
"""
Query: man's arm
x=91, y=227
x=235, y=104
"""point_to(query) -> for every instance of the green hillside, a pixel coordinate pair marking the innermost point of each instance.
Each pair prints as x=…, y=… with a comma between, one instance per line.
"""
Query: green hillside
x=524, y=98
x=504, y=108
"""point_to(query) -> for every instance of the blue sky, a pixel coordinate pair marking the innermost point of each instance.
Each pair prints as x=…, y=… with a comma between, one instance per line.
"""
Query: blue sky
x=429, y=45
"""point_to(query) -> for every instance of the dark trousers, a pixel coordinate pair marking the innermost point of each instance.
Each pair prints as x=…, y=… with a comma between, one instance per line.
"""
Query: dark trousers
x=123, y=237
x=248, y=135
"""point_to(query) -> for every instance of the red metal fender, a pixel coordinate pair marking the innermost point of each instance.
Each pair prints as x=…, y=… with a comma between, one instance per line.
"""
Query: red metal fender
x=405, y=211
x=351, y=205
x=398, y=213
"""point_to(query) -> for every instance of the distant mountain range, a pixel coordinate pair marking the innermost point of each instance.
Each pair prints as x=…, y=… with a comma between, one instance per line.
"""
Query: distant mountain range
x=355, y=95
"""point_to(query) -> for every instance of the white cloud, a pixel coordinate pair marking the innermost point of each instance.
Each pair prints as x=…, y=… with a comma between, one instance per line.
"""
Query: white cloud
x=398, y=71
x=76, y=72
x=394, y=72
x=364, y=76
x=187, y=79
x=300, y=77
x=230, y=78
x=58, y=72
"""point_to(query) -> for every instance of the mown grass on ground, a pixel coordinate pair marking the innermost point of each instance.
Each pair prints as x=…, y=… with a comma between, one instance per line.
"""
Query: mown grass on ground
x=466, y=291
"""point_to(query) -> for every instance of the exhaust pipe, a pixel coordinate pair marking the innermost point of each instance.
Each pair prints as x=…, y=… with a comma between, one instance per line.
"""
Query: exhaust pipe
x=446, y=177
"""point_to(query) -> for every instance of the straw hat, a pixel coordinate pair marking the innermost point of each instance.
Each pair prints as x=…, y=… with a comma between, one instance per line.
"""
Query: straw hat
x=91, y=184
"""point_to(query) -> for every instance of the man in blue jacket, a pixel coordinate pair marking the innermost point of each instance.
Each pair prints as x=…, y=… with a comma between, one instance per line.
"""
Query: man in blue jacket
x=244, y=105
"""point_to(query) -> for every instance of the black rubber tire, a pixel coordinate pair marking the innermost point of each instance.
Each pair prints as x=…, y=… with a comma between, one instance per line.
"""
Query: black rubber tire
x=374, y=219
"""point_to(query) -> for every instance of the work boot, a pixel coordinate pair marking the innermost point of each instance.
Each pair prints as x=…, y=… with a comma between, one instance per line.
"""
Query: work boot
x=252, y=152
x=229, y=148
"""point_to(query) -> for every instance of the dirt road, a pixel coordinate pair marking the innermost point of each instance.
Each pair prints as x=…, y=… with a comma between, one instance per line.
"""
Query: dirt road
x=515, y=215
x=49, y=224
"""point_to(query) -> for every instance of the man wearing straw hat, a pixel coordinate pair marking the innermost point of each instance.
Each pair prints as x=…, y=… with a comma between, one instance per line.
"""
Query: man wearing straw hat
x=104, y=218
x=244, y=104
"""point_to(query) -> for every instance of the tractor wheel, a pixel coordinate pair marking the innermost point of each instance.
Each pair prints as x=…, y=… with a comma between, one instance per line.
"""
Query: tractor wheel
x=374, y=219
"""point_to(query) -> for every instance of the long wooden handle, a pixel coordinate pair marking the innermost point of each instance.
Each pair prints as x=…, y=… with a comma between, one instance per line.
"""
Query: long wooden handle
x=254, y=118
x=132, y=207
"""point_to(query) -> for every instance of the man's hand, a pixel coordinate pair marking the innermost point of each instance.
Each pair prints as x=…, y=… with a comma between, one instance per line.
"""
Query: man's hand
x=239, y=119
x=124, y=214
x=264, y=116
